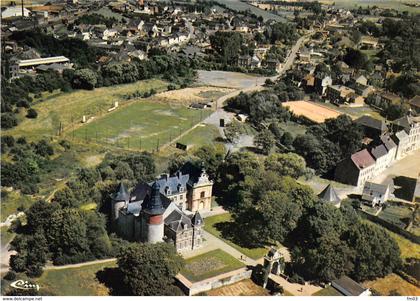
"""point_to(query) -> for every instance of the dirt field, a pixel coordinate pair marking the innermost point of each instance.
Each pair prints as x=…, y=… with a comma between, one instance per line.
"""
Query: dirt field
x=310, y=110
x=228, y=79
x=241, y=288
x=393, y=282
x=197, y=94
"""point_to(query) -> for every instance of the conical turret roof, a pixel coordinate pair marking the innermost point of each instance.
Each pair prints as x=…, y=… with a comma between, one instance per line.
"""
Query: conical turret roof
x=121, y=194
x=153, y=205
x=329, y=195
x=197, y=220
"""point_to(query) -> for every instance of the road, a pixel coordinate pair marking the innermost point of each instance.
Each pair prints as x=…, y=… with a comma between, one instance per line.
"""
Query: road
x=78, y=265
x=220, y=113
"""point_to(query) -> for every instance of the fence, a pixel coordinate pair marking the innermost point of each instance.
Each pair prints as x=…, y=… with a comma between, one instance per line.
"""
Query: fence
x=152, y=142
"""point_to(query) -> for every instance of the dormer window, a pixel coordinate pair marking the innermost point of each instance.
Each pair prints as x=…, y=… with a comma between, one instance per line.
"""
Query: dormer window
x=167, y=190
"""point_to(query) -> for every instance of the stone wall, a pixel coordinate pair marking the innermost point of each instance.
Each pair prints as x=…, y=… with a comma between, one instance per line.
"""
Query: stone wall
x=195, y=288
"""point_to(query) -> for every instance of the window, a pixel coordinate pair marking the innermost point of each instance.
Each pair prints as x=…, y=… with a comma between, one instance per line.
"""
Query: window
x=202, y=194
x=181, y=197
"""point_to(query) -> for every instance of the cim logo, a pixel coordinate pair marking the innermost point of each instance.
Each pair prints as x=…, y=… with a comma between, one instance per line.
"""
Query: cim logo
x=24, y=285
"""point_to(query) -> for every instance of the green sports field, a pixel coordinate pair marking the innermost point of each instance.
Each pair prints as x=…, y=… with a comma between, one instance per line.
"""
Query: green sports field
x=142, y=125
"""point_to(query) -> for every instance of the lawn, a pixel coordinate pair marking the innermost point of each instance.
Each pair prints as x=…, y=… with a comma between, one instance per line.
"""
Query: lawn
x=144, y=125
x=12, y=200
x=328, y=291
x=5, y=235
x=391, y=4
x=356, y=112
x=210, y=226
x=80, y=281
x=210, y=264
x=393, y=282
x=88, y=206
x=293, y=128
x=68, y=108
x=204, y=134
x=397, y=215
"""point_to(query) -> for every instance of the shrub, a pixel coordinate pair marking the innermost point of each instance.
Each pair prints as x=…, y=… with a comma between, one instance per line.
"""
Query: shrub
x=32, y=113
x=8, y=120
x=10, y=275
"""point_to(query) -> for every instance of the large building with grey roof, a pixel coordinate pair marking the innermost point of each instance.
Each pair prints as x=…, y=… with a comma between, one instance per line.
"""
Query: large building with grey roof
x=166, y=209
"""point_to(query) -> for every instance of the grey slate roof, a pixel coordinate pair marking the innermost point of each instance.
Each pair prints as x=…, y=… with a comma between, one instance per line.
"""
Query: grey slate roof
x=348, y=286
x=329, y=195
x=122, y=193
x=153, y=205
x=406, y=121
x=388, y=142
x=371, y=122
x=379, y=188
x=197, y=219
x=173, y=184
x=134, y=208
x=379, y=151
x=178, y=221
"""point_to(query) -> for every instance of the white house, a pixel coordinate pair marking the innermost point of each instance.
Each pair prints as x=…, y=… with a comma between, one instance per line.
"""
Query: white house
x=15, y=11
x=377, y=194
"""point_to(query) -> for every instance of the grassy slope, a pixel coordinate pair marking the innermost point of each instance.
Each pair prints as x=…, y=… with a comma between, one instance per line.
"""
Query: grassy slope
x=230, y=264
x=10, y=201
x=68, y=107
x=209, y=226
x=201, y=135
x=75, y=281
x=393, y=282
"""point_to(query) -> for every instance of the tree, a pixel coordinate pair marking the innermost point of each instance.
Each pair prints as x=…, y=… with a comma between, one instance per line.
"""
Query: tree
x=67, y=235
x=227, y=45
x=265, y=141
x=8, y=120
x=355, y=58
x=32, y=113
x=149, y=269
x=43, y=148
x=289, y=164
x=99, y=243
x=232, y=131
x=66, y=198
x=372, y=262
x=31, y=254
x=287, y=139
x=85, y=79
x=123, y=171
x=280, y=215
x=38, y=216
x=210, y=157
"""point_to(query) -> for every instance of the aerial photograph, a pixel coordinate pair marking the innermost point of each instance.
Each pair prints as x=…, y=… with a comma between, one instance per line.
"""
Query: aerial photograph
x=210, y=148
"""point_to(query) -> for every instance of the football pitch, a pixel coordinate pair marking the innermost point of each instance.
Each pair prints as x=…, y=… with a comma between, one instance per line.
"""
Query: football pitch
x=143, y=125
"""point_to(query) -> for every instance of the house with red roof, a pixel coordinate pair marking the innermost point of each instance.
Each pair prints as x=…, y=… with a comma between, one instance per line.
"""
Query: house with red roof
x=357, y=169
